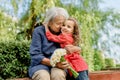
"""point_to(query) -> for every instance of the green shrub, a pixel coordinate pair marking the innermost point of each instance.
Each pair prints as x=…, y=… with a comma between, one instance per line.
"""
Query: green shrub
x=99, y=61
x=118, y=65
x=109, y=63
x=14, y=58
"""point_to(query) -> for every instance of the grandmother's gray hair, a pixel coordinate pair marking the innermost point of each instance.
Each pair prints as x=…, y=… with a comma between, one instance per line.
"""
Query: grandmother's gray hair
x=53, y=12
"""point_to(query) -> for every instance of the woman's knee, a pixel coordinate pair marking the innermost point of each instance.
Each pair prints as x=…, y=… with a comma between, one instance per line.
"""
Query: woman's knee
x=41, y=75
x=57, y=73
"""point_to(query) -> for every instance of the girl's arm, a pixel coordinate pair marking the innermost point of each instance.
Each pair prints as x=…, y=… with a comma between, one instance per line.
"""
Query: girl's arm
x=56, y=38
x=72, y=48
x=51, y=36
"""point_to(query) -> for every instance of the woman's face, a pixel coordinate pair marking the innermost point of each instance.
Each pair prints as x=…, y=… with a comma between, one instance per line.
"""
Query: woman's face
x=56, y=23
x=68, y=27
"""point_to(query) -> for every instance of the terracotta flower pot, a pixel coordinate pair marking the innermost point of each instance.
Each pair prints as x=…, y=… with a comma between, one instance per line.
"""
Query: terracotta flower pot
x=105, y=75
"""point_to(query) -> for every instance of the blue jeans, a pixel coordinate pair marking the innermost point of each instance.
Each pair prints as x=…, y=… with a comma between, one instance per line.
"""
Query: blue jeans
x=83, y=75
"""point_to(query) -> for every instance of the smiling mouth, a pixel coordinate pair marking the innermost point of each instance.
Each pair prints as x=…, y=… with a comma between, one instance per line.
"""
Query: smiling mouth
x=64, y=30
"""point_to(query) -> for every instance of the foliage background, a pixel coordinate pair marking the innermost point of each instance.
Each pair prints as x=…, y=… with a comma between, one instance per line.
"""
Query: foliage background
x=15, y=33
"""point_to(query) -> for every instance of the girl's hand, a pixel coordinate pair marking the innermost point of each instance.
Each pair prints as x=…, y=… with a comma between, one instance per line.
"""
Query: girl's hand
x=71, y=48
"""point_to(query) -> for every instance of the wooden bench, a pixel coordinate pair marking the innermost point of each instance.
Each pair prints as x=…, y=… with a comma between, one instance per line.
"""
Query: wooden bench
x=97, y=75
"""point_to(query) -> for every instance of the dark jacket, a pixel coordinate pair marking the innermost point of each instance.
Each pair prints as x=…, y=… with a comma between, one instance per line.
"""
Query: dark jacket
x=40, y=48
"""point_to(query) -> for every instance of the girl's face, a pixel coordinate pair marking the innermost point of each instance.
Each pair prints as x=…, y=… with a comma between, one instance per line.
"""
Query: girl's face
x=68, y=27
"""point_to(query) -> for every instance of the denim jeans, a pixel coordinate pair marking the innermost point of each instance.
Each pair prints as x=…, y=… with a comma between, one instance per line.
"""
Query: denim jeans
x=83, y=75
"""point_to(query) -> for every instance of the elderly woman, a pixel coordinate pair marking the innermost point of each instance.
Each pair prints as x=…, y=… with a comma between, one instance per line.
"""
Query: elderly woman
x=41, y=49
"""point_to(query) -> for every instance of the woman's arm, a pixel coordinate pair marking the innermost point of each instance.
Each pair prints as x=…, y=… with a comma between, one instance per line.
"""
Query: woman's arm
x=46, y=61
x=35, y=47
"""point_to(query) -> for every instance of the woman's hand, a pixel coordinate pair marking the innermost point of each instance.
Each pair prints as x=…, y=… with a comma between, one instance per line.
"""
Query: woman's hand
x=46, y=61
x=63, y=65
x=71, y=48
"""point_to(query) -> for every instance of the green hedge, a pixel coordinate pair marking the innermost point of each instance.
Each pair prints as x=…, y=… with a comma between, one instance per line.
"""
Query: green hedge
x=110, y=63
x=99, y=61
x=14, y=59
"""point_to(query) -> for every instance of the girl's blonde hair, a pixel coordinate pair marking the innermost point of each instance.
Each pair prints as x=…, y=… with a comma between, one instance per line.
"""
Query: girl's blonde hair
x=76, y=32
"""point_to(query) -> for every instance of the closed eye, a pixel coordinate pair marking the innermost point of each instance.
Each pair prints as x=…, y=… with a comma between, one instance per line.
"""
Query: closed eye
x=63, y=25
x=69, y=26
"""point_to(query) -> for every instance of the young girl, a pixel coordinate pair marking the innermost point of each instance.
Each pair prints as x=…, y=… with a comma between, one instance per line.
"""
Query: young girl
x=70, y=36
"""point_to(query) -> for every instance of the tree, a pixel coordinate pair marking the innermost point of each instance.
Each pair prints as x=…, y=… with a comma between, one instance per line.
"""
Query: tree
x=8, y=28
